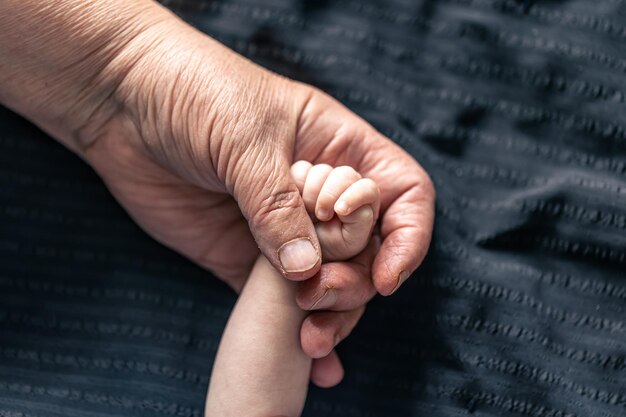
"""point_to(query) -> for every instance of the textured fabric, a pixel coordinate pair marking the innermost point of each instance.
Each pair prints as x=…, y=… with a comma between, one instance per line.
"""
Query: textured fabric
x=515, y=108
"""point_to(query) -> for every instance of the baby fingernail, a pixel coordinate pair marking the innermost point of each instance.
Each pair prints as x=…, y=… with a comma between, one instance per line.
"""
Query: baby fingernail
x=298, y=255
x=328, y=300
x=322, y=214
x=342, y=206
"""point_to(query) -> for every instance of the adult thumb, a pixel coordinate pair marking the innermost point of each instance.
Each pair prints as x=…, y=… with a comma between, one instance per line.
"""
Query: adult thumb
x=278, y=219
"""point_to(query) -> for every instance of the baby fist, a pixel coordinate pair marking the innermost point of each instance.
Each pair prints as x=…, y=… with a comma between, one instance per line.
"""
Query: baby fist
x=343, y=205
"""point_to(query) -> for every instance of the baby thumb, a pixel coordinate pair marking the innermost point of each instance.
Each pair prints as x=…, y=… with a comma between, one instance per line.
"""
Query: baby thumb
x=279, y=221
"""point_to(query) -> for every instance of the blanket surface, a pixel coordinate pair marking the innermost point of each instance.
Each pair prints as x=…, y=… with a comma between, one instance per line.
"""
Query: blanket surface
x=517, y=111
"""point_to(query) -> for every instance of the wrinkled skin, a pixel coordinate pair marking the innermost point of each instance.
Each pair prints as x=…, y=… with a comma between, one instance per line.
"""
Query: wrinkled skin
x=196, y=143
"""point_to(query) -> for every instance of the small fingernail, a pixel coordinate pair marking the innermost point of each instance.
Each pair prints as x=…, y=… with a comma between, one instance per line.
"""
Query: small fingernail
x=342, y=206
x=322, y=214
x=328, y=300
x=298, y=255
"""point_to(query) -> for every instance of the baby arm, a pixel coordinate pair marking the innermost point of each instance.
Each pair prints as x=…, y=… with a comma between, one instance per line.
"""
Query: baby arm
x=260, y=369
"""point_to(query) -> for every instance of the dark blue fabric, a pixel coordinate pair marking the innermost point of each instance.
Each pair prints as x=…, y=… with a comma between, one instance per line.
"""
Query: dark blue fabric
x=515, y=108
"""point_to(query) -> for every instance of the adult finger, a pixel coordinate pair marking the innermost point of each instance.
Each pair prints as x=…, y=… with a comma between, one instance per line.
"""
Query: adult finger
x=327, y=372
x=340, y=286
x=321, y=331
x=279, y=222
x=406, y=230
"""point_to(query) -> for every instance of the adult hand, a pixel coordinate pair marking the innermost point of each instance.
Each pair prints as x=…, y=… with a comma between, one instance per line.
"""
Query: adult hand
x=196, y=143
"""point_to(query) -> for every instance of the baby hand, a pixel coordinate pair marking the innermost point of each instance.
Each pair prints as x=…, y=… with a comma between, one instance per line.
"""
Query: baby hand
x=327, y=191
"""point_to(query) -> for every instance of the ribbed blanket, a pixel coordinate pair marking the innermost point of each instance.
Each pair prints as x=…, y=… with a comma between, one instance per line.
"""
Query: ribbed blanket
x=515, y=108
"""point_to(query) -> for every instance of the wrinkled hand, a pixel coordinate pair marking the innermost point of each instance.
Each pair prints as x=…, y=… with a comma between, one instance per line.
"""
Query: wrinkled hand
x=196, y=143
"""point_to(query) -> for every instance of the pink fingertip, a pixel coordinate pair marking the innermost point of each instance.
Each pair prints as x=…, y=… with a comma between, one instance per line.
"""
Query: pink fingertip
x=342, y=207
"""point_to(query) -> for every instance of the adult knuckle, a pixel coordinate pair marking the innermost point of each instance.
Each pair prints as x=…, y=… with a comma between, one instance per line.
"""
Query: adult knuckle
x=278, y=202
